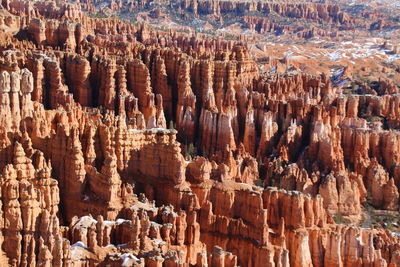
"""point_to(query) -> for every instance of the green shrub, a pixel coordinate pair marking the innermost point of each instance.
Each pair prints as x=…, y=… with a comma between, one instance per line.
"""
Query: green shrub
x=338, y=218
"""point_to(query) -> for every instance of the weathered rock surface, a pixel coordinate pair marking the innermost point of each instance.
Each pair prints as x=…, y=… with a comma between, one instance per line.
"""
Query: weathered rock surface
x=258, y=170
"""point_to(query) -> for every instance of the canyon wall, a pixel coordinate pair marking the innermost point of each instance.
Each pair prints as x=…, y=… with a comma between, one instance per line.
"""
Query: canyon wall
x=125, y=146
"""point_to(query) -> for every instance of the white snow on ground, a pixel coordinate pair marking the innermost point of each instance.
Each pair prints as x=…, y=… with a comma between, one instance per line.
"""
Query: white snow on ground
x=128, y=259
x=109, y=222
x=354, y=53
x=119, y=221
x=158, y=241
x=288, y=54
x=153, y=130
x=392, y=58
x=396, y=234
x=347, y=50
x=79, y=244
x=85, y=222
x=334, y=56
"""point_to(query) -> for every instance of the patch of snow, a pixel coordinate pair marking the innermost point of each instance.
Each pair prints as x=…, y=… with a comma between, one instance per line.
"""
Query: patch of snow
x=288, y=54
x=334, y=56
x=79, y=244
x=158, y=241
x=128, y=259
x=396, y=234
x=85, y=222
x=119, y=221
x=393, y=58
x=152, y=130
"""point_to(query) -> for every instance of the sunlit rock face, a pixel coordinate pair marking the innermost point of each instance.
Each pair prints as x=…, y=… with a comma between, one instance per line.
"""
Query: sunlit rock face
x=125, y=144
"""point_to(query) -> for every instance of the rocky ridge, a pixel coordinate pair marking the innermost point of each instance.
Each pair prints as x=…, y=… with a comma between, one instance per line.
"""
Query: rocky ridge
x=91, y=175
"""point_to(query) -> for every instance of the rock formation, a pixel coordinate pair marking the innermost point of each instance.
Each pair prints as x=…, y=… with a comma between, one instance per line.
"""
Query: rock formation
x=123, y=145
